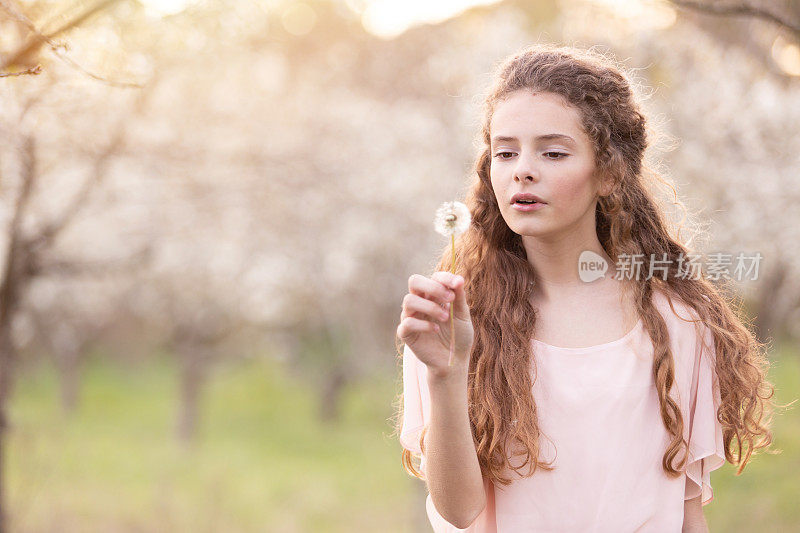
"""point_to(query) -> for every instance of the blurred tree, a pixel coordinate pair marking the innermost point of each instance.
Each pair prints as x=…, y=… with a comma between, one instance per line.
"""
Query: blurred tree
x=25, y=57
x=34, y=223
x=29, y=253
x=66, y=336
x=199, y=326
x=786, y=16
x=764, y=29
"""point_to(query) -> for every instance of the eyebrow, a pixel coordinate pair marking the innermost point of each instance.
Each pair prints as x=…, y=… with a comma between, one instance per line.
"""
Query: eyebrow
x=545, y=137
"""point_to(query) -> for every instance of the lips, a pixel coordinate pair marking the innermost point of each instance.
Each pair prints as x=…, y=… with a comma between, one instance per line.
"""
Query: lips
x=525, y=197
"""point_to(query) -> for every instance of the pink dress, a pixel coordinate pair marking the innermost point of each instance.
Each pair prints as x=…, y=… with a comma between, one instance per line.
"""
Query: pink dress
x=599, y=413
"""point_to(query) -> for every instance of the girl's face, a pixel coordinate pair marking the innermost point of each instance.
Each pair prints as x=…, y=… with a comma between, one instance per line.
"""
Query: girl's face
x=538, y=146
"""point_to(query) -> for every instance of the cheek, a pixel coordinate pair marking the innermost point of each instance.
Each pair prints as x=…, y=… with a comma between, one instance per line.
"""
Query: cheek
x=492, y=174
x=498, y=184
x=571, y=190
x=574, y=190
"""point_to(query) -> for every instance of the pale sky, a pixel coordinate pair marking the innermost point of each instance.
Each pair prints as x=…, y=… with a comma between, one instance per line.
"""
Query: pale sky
x=166, y=7
x=389, y=18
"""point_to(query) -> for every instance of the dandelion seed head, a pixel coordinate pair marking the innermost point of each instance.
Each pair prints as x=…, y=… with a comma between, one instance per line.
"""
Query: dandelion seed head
x=452, y=218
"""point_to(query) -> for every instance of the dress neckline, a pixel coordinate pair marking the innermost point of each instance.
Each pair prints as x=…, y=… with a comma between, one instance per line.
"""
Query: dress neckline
x=596, y=347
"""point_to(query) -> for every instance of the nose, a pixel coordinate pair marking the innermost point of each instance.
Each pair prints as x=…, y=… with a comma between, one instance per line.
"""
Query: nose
x=525, y=169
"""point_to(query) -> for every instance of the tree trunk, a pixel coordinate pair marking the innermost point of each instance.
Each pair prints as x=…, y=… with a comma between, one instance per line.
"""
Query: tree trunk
x=3, y=433
x=192, y=372
x=69, y=379
x=331, y=396
x=769, y=309
x=6, y=375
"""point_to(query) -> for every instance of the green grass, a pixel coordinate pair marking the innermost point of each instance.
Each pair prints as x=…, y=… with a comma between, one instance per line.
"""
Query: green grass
x=764, y=497
x=263, y=462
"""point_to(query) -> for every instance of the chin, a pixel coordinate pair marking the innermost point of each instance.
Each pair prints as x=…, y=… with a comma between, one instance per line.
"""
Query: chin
x=532, y=230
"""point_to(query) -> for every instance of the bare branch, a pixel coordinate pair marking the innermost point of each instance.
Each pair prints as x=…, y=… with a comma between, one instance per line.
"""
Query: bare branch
x=18, y=15
x=16, y=249
x=33, y=70
x=743, y=9
x=67, y=268
x=99, y=171
x=76, y=66
x=39, y=39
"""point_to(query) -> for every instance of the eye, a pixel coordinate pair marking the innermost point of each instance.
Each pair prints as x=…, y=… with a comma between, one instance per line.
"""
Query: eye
x=550, y=155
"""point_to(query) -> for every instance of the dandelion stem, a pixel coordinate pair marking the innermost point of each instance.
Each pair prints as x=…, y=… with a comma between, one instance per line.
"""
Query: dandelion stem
x=452, y=321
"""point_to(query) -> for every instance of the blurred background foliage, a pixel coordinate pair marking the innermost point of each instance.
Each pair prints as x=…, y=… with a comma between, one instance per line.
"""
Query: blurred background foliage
x=211, y=208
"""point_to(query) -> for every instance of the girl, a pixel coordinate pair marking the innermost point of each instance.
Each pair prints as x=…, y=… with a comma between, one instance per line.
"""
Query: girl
x=620, y=394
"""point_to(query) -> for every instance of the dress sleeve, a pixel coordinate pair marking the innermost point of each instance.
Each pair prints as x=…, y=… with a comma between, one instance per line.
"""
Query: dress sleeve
x=416, y=415
x=706, y=445
x=416, y=403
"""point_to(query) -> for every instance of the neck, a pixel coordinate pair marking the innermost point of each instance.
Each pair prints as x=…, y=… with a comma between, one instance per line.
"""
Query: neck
x=555, y=261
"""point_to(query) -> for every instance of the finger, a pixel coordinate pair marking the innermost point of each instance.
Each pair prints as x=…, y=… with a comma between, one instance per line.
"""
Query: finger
x=411, y=326
x=419, y=307
x=448, y=279
x=430, y=288
x=455, y=284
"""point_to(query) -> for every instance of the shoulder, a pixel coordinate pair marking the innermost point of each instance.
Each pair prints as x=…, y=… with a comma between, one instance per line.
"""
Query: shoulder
x=690, y=339
x=673, y=308
x=681, y=318
x=685, y=327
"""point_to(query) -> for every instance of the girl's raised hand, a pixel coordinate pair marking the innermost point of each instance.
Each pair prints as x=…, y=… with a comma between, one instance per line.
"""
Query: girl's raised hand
x=425, y=321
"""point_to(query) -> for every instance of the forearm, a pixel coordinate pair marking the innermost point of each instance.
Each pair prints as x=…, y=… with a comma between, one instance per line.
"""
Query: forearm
x=695, y=527
x=452, y=469
x=694, y=521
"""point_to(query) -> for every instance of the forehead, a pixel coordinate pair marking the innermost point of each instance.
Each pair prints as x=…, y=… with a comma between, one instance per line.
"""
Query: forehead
x=524, y=113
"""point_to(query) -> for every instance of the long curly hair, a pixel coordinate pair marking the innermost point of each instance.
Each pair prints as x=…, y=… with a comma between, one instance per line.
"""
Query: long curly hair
x=629, y=220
